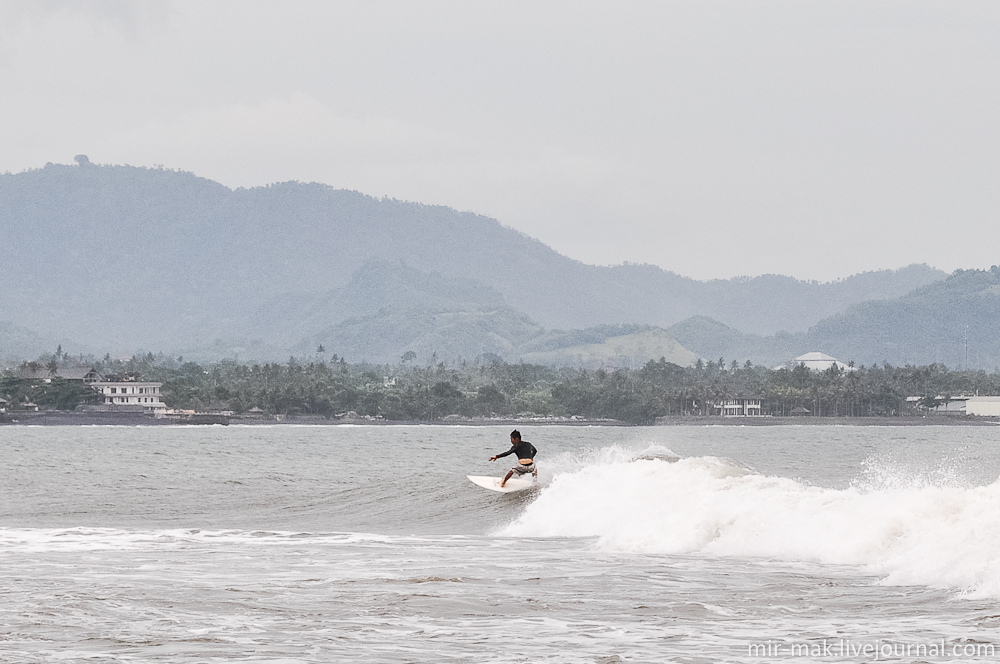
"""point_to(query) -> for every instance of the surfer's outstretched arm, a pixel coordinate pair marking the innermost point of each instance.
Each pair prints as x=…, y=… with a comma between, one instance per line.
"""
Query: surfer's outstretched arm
x=513, y=448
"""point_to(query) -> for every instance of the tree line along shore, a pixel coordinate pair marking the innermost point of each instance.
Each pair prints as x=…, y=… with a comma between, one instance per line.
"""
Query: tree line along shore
x=334, y=389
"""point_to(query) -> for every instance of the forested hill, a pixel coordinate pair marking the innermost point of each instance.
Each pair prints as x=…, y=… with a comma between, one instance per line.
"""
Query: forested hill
x=125, y=258
x=954, y=322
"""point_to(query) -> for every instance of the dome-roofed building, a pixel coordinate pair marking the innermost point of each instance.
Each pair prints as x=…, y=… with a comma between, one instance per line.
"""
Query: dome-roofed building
x=817, y=362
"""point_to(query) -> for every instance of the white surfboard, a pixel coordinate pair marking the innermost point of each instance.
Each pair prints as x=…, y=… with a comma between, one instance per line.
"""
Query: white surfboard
x=513, y=485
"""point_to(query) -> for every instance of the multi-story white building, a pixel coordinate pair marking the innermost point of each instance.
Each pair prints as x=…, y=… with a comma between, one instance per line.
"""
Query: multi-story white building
x=131, y=393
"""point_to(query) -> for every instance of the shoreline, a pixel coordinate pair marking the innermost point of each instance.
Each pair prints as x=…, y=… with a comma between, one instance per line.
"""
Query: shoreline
x=65, y=418
x=898, y=421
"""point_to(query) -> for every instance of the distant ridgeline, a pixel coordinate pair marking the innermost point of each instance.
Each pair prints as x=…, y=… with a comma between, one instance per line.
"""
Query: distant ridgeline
x=126, y=260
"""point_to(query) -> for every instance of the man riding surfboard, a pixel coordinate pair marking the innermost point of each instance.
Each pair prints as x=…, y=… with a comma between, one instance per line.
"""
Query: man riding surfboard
x=525, y=457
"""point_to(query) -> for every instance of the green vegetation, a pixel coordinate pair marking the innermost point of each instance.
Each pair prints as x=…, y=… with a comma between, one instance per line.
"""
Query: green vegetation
x=55, y=394
x=620, y=350
x=410, y=392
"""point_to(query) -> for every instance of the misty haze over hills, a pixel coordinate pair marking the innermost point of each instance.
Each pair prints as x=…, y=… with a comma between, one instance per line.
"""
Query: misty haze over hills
x=132, y=259
x=955, y=322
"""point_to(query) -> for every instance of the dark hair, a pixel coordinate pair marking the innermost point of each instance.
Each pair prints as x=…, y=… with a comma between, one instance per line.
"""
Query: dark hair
x=515, y=434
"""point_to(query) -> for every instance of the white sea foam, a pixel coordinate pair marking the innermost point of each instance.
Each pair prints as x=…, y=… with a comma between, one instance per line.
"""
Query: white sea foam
x=96, y=539
x=910, y=530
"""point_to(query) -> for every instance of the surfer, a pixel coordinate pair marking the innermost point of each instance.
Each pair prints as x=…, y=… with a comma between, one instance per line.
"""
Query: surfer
x=525, y=457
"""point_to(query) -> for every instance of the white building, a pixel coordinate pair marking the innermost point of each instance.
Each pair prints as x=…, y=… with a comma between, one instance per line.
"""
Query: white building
x=955, y=404
x=739, y=407
x=817, y=362
x=130, y=394
x=983, y=406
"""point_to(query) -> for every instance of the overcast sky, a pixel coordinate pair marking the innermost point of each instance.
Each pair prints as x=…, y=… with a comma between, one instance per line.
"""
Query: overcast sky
x=815, y=139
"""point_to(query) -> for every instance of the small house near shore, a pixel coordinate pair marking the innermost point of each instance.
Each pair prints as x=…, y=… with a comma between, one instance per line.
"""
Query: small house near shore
x=35, y=371
x=738, y=407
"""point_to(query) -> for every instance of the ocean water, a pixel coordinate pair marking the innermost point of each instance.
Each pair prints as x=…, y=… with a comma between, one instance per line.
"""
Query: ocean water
x=351, y=544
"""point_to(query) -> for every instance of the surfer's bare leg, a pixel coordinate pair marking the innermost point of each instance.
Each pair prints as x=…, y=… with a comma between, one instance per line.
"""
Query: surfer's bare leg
x=509, y=473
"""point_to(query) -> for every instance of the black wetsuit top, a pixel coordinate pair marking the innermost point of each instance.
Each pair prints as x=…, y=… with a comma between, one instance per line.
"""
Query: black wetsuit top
x=524, y=449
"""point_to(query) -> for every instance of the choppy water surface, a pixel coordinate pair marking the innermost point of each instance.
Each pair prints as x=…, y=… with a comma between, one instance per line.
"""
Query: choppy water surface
x=315, y=544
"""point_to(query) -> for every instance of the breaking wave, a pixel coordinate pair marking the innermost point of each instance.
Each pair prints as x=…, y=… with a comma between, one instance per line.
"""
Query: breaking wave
x=924, y=530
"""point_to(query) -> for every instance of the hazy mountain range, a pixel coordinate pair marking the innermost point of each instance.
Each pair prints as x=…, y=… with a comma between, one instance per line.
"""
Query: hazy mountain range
x=123, y=259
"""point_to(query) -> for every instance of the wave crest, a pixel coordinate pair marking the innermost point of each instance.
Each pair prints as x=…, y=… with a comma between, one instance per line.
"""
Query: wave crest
x=910, y=532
